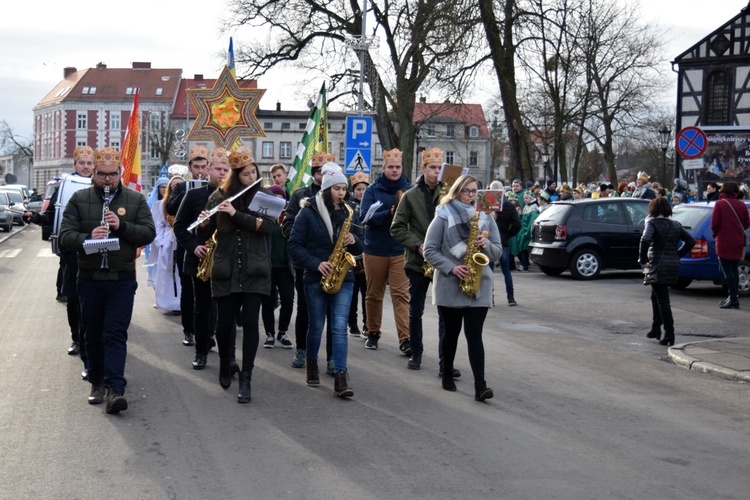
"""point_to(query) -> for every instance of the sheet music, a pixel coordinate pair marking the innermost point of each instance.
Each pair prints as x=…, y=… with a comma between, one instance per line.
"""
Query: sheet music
x=267, y=205
x=94, y=246
x=373, y=208
x=195, y=183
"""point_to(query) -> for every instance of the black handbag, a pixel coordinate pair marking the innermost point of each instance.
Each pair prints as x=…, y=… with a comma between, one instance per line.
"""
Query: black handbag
x=650, y=274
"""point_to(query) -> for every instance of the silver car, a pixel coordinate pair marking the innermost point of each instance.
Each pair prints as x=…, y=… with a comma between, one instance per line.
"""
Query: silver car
x=6, y=218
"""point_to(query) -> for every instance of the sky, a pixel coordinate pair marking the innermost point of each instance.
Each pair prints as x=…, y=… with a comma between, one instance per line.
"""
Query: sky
x=187, y=35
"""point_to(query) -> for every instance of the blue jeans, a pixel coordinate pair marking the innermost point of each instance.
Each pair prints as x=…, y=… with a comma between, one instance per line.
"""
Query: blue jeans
x=731, y=275
x=505, y=267
x=418, y=285
x=106, y=311
x=318, y=303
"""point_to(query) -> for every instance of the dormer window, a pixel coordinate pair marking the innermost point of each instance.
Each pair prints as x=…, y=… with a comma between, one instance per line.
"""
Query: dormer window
x=130, y=91
x=473, y=131
x=159, y=91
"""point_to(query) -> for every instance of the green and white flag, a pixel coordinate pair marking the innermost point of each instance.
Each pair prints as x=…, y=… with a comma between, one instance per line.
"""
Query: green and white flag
x=314, y=140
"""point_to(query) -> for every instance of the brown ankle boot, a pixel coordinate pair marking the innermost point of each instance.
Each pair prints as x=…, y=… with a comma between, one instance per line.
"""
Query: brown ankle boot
x=313, y=377
x=340, y=387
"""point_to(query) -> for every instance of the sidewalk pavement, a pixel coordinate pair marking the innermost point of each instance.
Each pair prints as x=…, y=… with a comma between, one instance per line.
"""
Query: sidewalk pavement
x=727, y=358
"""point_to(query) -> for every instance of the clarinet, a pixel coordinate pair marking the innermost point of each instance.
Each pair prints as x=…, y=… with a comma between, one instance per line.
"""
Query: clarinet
x=105, y=253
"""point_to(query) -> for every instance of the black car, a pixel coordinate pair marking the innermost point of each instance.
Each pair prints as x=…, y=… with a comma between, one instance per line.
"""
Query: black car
x=587, y=236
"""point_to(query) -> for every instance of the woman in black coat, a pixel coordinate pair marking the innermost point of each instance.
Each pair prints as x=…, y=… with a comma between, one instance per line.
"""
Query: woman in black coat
x=659, y=248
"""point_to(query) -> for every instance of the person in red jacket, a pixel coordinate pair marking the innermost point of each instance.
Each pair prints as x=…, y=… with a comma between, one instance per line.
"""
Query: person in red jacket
x=729, y=221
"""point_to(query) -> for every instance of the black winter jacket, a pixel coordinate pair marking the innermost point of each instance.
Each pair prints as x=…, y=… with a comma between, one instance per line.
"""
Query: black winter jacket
x=659, y=246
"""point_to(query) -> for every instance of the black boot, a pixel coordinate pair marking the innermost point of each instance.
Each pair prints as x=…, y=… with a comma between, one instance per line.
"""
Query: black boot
x=415, y=362
x=244, y=394
x=313, y=377
x=482, y=392
x=448, y=383
x=730, y=303
x=340, y=387
x=234, y=368
x=655, y=332
x=668, y=340
x=225, y=374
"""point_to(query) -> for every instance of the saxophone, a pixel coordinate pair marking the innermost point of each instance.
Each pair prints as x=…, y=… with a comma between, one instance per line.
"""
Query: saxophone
x=204, y=266
x=474, y=260
x=340, y=259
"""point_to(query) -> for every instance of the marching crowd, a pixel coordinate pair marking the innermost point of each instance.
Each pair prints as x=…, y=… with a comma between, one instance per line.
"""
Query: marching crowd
x=337, y=246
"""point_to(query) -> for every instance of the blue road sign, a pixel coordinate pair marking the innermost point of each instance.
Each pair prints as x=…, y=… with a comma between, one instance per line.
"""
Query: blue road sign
x=163, y=171
x=358, y=144
x=691, y=142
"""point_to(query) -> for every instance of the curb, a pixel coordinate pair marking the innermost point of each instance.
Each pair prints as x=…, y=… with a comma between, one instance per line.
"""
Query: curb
x=679, y=357
x=15, y=231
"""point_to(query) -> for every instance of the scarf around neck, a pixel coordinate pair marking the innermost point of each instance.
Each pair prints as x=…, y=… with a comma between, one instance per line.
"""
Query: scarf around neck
x=459, y=217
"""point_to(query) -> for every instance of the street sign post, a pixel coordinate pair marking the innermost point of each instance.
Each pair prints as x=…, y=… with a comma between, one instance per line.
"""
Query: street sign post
x=358, y=144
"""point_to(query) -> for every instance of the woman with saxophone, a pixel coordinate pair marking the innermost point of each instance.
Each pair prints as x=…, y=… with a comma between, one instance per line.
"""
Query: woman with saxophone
x=459, y=242
x=324, y=239
x=241, y=268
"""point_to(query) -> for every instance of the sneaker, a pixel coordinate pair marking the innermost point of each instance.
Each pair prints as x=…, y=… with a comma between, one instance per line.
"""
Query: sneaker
x=188, y=340
x=268, y=344
x=372, y=341
x=512, y=301
x=97, y=394
x=284, y=339
x=364, y=333
x=329, y=368
x=354, y=331
x=299, y=359
x=115, y=402
x=405, y=347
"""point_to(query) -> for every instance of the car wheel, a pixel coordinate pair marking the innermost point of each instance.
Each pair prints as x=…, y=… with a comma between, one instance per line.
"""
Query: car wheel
x=586, y=264
x=743, y=268
x=682, y=283
x=551, y=271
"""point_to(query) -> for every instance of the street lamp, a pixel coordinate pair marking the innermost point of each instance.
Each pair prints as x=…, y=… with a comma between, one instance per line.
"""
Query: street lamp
x=545, y=161
x=664, y=135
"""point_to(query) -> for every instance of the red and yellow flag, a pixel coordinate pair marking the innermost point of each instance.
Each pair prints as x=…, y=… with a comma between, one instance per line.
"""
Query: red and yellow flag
x=131, y=148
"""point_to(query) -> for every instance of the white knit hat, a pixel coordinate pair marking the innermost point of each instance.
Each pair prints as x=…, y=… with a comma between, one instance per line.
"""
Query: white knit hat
x=332, y=175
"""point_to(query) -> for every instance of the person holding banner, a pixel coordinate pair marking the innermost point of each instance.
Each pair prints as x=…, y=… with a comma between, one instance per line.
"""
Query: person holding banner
x=241, y=268
x=83, y=166
x=107, y=292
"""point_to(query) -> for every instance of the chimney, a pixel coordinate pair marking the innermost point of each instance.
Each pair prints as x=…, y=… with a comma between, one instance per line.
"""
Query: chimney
x=197, y=77
x=101, y=65
x=141, y=65
x=68, y=71
x=422, y=99
x=278, y=105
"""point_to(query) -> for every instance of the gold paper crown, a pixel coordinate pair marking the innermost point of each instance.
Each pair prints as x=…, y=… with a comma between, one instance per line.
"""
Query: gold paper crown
x=83, y=152
x=643, y=176
x=240, y=158
x=392, y=157
x=319, y=159
x=433, y=155
x=221, y=155
x=198, y=152
x=107, y=157
x=358, y=178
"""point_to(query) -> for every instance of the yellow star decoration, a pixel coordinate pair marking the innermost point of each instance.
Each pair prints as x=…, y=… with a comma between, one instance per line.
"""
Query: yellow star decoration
x=226, y=112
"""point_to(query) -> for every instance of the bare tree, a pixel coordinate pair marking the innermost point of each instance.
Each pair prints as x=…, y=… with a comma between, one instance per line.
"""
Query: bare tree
x=501, y=37
x=623, y=57
x=20, y=147
x=426, y=48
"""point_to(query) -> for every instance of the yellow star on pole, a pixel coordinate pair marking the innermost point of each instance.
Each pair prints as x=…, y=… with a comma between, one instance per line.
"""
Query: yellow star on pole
x=226, y=112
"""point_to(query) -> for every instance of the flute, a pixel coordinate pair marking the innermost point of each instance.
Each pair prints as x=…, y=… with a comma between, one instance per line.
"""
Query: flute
x=213, y=211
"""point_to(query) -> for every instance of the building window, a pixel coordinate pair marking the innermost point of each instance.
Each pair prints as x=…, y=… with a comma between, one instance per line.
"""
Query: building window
x=342, y=154
x=473, y=159
x=85, y=91
x=114, y=120
x=473, y=131
x=81, y=120
x=718, y=97
x=286, y=126
x=130, y=91
x=450, y=131
x=449, y=157
x=285, y=149
x=378, y=152
x=154, y=153
x=92, y=90
x=155, y=122
x=267, y=149
x=114, y=143
x=302, y=125
x=267, y=125
x=431, y=130
x=80, y=144
x=159, y=91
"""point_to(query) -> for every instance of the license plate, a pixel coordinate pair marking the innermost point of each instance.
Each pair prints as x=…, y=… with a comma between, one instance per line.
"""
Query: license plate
x=537, y=251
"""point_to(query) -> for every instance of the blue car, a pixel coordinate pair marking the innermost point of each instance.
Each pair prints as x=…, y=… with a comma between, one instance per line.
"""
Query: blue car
x=702, y=262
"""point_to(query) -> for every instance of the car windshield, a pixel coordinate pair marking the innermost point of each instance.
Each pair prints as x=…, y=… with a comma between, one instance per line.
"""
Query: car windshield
x=690, y=217
x=555, y=213
x=15, y=197
x=50, y=190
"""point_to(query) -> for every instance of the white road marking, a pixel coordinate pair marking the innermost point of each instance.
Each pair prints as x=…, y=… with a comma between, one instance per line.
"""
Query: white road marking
x=10, y=253
x=45, y=252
